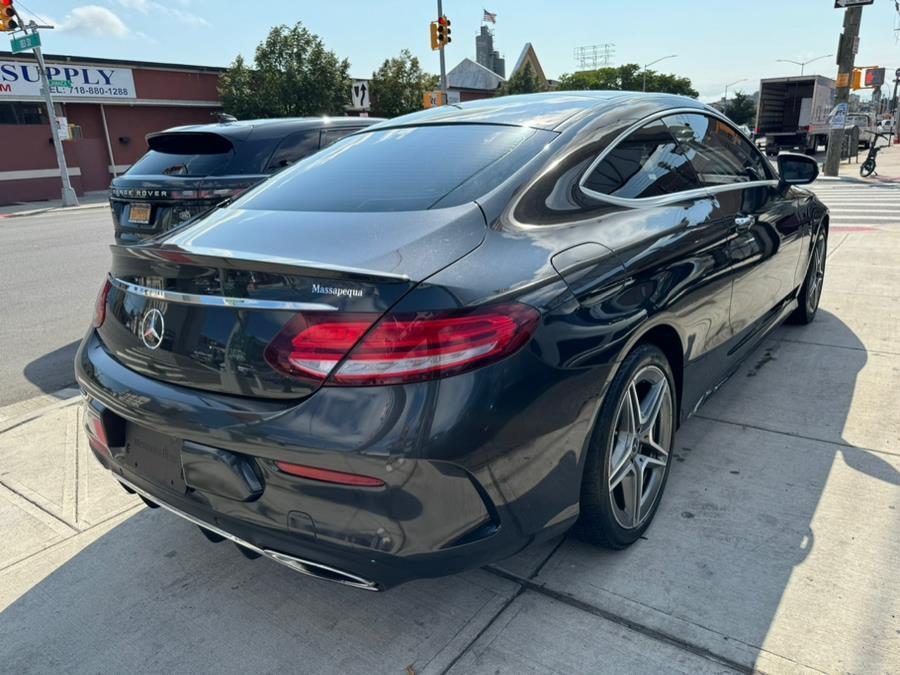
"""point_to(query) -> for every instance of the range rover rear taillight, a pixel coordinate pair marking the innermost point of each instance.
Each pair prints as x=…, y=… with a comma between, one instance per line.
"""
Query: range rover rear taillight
x=100, y=305
x=359, y=349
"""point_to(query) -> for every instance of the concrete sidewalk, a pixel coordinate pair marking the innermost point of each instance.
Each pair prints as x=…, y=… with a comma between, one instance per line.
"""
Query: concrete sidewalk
x=888, y=163
x=89, y=200
x=775, y=547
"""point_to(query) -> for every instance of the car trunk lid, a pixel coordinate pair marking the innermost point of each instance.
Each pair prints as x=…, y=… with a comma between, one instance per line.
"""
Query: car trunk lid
x=200, y=307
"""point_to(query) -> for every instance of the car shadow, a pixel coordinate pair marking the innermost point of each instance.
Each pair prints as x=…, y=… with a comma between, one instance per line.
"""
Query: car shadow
x=54, y=370
x=748, y=545
x=153, y=595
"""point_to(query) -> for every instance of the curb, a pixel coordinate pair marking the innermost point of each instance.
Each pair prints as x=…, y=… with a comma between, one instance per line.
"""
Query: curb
x=35, y=212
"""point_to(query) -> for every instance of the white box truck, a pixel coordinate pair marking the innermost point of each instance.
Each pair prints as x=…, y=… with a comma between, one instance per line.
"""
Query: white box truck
x=793, y=112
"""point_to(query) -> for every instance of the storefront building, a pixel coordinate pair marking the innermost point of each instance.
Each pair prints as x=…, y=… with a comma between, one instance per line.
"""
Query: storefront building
x=108, y=110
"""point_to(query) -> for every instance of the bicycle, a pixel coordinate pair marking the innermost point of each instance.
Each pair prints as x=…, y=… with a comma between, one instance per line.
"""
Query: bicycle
x=867, y=168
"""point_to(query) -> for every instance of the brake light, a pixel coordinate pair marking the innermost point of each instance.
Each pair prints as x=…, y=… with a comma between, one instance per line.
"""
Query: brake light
x=327, y=476
x=218, y=193
x=100, y=305
x=348, y=350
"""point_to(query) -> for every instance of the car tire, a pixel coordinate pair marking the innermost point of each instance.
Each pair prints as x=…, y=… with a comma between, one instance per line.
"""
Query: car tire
x=811, y=291
x=628, y=459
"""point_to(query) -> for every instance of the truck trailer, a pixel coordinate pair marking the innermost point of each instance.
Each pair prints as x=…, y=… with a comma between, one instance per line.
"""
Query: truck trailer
x=793, y=112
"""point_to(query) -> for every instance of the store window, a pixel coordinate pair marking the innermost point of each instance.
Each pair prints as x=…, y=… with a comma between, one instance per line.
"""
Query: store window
x=23, y=113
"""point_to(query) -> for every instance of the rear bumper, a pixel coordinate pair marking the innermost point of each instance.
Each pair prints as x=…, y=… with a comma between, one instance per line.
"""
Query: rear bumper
x=461, y=490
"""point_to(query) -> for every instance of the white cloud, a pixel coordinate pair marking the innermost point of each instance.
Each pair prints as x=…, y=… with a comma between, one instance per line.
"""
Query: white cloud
x=94, y=20
x=151, y=6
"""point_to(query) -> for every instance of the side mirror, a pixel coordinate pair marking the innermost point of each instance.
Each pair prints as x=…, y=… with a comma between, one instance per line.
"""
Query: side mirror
x=796, y=169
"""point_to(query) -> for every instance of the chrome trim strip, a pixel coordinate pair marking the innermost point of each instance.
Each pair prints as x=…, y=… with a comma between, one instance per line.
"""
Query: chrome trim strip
x=218, y=300
x=674, y=196
x=300, y=565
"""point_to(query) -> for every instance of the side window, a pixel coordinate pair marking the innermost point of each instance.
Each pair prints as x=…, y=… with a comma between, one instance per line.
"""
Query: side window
x=295, y=147
x=648, y=163
x=330, y=136
x=720, y=154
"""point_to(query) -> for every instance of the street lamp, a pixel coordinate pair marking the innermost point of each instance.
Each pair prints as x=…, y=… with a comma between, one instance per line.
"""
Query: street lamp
x=670, y=56
x=730, y=84
x=803, y=64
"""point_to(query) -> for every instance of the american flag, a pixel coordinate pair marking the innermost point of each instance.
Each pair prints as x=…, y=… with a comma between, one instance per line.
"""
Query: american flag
x=489, y=16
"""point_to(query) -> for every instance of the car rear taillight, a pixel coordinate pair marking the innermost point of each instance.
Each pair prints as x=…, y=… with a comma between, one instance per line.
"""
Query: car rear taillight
x=348, y=350
x=100, y=305
x=218, y=193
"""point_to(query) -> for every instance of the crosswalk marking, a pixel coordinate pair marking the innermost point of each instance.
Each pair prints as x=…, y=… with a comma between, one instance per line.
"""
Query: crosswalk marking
x=859, y=206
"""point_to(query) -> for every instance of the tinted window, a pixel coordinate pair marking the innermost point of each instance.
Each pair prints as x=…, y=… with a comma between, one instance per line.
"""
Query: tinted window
x=391, y=170
x=295, y=147
x=720, y=154
x=168, y=164
x=647, y=163
x=330, y=136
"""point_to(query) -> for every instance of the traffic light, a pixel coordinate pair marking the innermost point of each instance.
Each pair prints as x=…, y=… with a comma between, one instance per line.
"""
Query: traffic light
x=874, y=77
x=8, y=16
x=856, y=79
x=435, y=40
x=443, y=31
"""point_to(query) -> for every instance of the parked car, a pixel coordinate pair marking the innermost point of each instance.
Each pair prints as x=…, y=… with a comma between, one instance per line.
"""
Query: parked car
x=866, y=126
x=190, y=169
x=887, y=126
x=451, y=335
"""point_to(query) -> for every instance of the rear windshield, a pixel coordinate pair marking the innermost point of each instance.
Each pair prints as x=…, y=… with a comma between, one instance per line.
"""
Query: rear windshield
x=164, y=164
x=407, y=169
x=198, y=155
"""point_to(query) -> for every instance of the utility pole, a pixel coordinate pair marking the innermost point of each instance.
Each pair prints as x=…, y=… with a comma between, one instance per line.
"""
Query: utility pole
x=845, y=56
x=440, y=9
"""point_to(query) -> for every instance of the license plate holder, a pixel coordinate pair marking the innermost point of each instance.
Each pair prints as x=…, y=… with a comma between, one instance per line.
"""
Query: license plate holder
x=139, y=213
x=154, y=457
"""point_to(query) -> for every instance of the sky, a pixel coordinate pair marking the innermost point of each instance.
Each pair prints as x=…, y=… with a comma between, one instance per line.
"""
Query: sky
x=717, y=42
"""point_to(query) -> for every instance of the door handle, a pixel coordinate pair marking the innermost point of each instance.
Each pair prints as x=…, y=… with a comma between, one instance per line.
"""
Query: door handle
x=744, y=223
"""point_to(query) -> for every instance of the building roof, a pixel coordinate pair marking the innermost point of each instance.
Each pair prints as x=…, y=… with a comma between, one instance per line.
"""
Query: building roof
x=528, y=55
x=86, y=60
x=469, y=74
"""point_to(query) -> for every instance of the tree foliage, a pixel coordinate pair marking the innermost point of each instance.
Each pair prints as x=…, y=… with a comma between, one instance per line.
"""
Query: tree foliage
x=398, y=86
x=523, y=81
x=741, y=109
x=293, y=75
x=627, y=77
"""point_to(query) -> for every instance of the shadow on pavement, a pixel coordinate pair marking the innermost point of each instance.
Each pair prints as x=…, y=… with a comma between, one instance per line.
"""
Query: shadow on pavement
x=54, y=370
x=749, y=557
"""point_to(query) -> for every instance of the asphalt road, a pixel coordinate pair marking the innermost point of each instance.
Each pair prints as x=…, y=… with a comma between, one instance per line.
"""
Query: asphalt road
x=51, y=267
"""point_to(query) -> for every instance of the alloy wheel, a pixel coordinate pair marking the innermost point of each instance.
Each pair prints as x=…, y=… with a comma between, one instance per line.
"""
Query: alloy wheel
x=816, y=275
x=639, y=452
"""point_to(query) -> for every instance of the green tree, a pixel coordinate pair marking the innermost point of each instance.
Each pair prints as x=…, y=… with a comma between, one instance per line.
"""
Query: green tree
x=523, y=81
x=293, y=75
x=741, y=109
x=398, y=86
x=627, y=77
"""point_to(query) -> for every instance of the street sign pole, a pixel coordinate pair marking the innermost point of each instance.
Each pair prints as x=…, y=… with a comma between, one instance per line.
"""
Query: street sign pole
x=845, y=57
x=440, y=9
x=68, y=194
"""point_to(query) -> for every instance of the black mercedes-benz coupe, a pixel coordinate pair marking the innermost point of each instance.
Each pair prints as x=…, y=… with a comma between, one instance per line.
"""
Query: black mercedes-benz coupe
x=450, y=335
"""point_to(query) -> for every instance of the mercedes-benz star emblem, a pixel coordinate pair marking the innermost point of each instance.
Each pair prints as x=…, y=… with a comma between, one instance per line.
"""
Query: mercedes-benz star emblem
x=152, y=328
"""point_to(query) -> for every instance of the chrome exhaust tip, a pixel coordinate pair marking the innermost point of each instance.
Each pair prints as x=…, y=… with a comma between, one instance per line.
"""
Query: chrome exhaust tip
x=306, y=567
